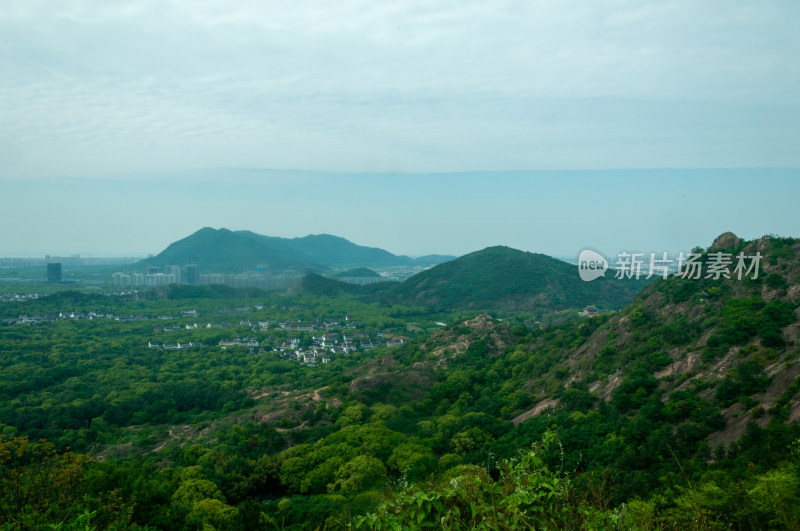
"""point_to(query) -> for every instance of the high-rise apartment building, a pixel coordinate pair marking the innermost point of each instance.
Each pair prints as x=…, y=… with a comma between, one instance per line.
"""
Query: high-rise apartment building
x=192, y=274
x=175, y=271
x=54, y=272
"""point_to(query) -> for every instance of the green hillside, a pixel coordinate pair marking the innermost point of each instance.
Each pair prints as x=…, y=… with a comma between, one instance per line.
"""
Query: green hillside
x=359, y=272
x=333, y=250
x=502, y=278
x=319, y=285
x=222, y=250
x=226, y=251
x=680, y=411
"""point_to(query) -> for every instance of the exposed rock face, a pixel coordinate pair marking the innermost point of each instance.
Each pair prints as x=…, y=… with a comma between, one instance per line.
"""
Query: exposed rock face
x=726, y=240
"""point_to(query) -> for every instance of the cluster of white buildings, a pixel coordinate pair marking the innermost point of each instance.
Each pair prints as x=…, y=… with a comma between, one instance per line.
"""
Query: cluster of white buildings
x=154, y=277
x=172, y=275
x=71, y=315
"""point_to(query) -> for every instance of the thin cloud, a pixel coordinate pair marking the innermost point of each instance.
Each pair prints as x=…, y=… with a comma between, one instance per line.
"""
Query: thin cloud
x=93, y=87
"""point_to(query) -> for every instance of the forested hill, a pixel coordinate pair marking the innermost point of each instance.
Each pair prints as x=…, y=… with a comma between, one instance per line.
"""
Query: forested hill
x=681, y=408
x=222, y=250
x=501, y=278
x=227, y=251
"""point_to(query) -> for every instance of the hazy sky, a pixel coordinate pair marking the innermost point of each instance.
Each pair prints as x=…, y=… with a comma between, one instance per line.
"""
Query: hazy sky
x=127, y=125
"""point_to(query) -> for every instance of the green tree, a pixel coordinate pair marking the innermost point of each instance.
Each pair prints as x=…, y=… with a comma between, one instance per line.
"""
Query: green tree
x=359, y=474
x=193, y=487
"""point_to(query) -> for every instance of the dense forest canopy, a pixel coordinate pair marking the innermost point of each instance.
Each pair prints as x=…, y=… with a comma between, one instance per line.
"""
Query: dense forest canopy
x=204, y=408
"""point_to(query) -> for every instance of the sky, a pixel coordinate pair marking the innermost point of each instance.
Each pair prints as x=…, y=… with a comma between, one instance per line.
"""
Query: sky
x=420, y=127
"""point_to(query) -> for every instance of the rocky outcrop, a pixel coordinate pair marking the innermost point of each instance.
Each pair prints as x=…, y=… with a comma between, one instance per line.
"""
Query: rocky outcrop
x=725, y=241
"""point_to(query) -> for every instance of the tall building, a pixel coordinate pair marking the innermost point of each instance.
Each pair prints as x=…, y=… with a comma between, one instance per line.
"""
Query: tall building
x=192, y=274
x=175, y=271
x=152, y=270
x=122, y=279
x=158, y=279
x=54, y=272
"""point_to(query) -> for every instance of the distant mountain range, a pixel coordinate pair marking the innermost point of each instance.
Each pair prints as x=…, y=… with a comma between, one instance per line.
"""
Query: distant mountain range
x=495, y=278
x=224, y=251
